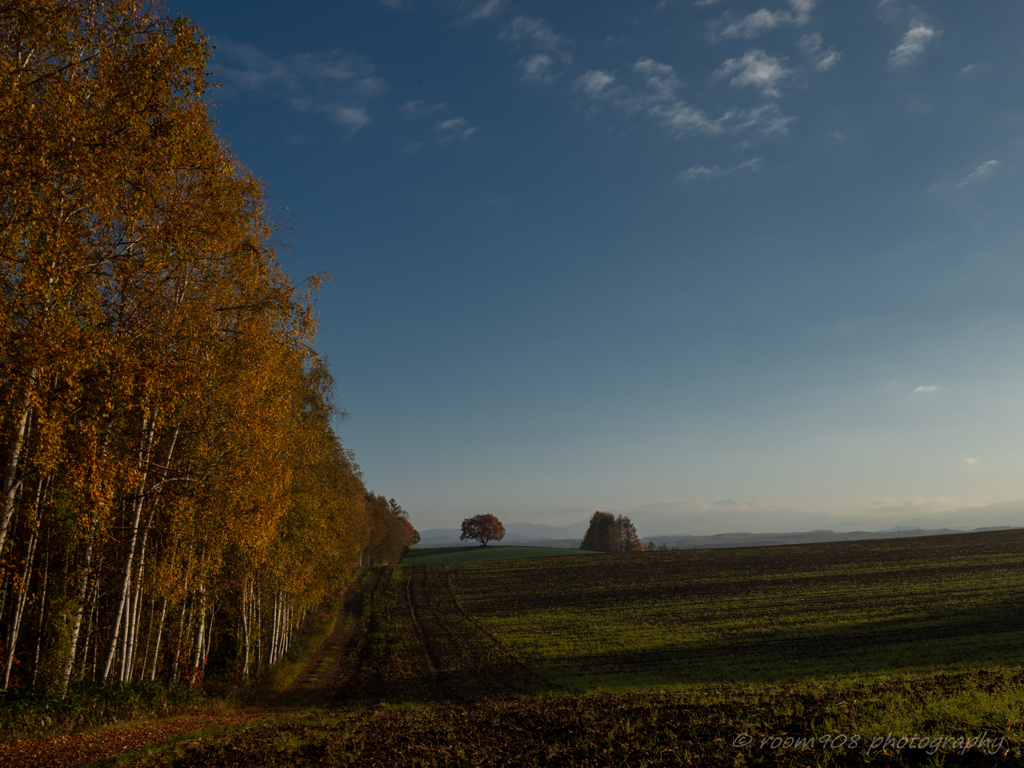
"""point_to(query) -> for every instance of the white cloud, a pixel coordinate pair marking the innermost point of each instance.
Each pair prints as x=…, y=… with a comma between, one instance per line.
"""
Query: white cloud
x=928, y=388
x=337, y=84
x=486, y=9
x=704, y=172
x=888, y=10
x=980, y=173
x=912, y=45
x=536, y=30
x=660, y=78
x=766, y=120
x=705, y=3
x=756, y=68
x=682, y=119
x=413, y=109
x=353, y=117
x=760, y=21
x=593, y=82
x=754, y=24
x=823, y=60
x=976, y=68
x=547, y=45
x=658, y=99
x=536, y=67
x=970, y=461
x=457, y=126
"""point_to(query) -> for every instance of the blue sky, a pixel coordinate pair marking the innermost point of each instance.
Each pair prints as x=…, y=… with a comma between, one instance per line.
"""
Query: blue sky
x=709, y=264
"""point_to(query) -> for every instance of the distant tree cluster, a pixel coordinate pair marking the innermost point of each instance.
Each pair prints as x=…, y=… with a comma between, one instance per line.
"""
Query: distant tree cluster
x=607, y=533
x=171, y=483
x=482, y=528
x=663, y=547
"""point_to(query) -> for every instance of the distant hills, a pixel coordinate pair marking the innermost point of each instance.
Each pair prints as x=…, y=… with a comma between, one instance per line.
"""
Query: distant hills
x=531, y=534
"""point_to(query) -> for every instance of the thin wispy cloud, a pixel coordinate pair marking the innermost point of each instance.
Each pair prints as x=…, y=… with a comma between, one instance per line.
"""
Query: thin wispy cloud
x=487, y=9
x=457, y=127
x=594, y=82
x=980, y=173
x=824, y=59
x=536, y=30
x=538, y=67
x=337, y=84
x=547, y=45
x=928, y=388
x=758, y=22
x=912, y=45
x=414, y=109
x=976, y=68
x=707, y=172
x=888, y=10
x=757, y=69
x=705, y=3
x=970, y=461
x=657, y=97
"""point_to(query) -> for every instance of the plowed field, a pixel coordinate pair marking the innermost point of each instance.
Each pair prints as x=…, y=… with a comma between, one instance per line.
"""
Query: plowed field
x=800, y=655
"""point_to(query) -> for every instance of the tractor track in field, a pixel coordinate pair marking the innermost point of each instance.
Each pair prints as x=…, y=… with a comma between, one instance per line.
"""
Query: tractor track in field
x=428, y=651
x=458, y=606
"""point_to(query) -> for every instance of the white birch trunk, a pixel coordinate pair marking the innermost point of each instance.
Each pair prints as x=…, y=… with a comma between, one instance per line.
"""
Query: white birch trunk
x=19, y=609
x=76, y=624
x=39, y=626
x=10, y=484
x=144, y=445
x=159, y=637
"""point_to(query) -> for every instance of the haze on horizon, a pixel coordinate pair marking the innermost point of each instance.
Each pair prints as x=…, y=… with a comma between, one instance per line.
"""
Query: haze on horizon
x=710, y=264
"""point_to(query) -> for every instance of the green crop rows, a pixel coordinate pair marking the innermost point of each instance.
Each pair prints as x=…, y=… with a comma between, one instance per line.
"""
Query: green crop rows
x=757, y=614
x=669, y=658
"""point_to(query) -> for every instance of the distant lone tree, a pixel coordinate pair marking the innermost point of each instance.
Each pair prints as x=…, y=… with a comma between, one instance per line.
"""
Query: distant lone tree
x=482, y=528
x=607, y=533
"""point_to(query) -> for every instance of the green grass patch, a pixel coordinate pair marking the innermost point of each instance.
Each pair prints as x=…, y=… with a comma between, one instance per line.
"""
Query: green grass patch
x=475, y=554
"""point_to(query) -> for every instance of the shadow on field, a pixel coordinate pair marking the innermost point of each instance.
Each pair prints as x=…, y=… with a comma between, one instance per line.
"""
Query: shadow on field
x=983, y=636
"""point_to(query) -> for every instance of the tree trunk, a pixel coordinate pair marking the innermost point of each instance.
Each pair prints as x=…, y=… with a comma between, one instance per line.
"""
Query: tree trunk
x=159, y=636
x=19, y=609
x=42, y=616
x=10, y=487
x=76, y=625
x=145, y=444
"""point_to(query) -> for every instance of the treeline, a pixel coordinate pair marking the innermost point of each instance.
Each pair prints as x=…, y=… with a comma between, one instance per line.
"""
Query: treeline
x=171, y=483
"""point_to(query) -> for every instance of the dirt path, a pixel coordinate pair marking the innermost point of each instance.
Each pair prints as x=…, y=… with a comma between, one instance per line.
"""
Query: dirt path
x=331, y=665
x=329, y=668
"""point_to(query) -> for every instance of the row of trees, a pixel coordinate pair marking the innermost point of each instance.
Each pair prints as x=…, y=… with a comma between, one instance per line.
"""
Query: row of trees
x=170, y=485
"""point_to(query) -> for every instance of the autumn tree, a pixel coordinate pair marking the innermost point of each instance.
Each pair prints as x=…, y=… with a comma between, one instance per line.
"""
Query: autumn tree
x=482, y=528
x=170, y=481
